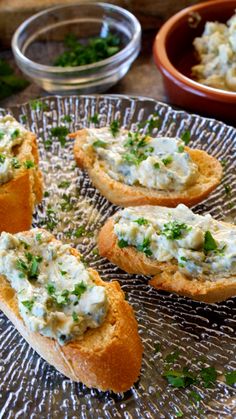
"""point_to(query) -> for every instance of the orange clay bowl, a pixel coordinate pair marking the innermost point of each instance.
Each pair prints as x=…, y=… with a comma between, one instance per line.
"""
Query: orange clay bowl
x=174, y=56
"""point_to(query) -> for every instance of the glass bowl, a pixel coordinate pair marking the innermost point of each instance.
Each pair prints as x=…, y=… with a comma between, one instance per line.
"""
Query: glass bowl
x=40, y=39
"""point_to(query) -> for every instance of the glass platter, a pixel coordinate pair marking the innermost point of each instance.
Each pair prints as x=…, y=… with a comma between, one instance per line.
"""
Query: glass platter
x=203, y=334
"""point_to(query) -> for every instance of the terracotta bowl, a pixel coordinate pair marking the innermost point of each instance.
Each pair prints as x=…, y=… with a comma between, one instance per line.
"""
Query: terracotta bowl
x=174, y=56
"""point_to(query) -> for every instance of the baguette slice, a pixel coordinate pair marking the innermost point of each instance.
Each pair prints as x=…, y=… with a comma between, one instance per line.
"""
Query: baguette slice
x=19, y=195
x=166, y=275
x=108, y=357
x=210, y=173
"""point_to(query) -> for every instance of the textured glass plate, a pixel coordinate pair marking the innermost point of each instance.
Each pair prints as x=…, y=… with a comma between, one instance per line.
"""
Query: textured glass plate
x=204, y=334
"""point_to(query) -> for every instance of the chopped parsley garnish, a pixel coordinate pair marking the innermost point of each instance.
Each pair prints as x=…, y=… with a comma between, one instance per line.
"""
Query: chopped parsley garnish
x=209, y=242
x=153, y=122
x=94, y=119
x=122, y=243
x=66, y=204
x=195, y=396
x=141, y=221
x=75, y=316
x=94, y=50
x=181, y=149
x=115, y=127
x=38, y=105
x=2, y=158
x=223, y=162
x=179, y=413
x=99, y=143
x=15, y=134
x=79, y=232
x=15, y=163
x=28, y=304
x=230, y=378
x=64, y=184
x=209, y=376
x=171, y=358
x=63, y=273
x=60, y=133
x=186, y=137
x=9, y=82
x=1, y=135
x=167, y=160
x=66, y=118
x=38, y=237
x=29, y=164
x=79, y=289
x=156, y=165
x=145, y=247
x=174, y=230
x=180, y=378
x=228, y=189
x=157, y=347
x=51, y=289
x=47, y=144
x=46, y=194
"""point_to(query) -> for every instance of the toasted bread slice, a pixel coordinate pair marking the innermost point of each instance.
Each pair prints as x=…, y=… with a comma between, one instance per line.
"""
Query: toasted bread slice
x=166, y=275
x=108, y=357
x=210, y=173
x=19, y=195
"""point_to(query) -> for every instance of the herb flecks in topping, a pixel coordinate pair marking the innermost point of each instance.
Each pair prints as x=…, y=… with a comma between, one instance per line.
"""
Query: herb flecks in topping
x=186, y=137
x=145, y=247
x=141, y=221
x=28, y=304
x=79, y=289
x=2, y=158
x=174, y=230
x=29, y=164
x=79, y=232
x=181, y=149
x=99, y=143
x=38, y=237
x=60, y=133
x=156, y=165
x=66, y=118
x=64, y=184
x=167, y=160
x=209, y=242
x=95, y=49
x=115, y=127
x=75, y=316
x=15, y=134
x=122, y=243
x=51, y=289
x=15, y=163
x=172, y=357
x=66, y=204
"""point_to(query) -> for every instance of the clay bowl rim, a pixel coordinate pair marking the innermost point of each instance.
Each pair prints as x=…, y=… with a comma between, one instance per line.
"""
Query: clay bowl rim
x=169, y=70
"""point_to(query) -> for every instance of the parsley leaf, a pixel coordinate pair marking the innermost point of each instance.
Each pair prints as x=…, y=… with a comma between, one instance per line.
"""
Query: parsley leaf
x=2, y=158
x=79, y=232
x=141, y=221
x=145, y=247
x=230, y=378
x=209, y=376
x=122, y=243
x=99, y=143
x=156, y=165
x=171, y=358
x=75, y=316
x=60, y=133
x=64, y=184
x=28, y=304
x=50, y=289
x=186, y=137
x=180, y=378
x=115, y=127
x=28, y=164
x=15, y=134
x=66, y=118
x=15, y=163
x=94, y=119
x=209, y=242
x=167, y=160
x=38, y=105
x=79, y=289
x=174, y=230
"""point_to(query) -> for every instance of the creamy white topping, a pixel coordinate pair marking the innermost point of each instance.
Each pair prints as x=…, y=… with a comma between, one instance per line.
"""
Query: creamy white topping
x=56, y=294
x=11, y=134
x=200, y=244
x=160, y=163
x=216, y=49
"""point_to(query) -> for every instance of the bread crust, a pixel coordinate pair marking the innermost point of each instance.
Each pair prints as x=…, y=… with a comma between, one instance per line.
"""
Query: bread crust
x=210, y=173
x=108, y=357
x=166, y=275
x=19, y=196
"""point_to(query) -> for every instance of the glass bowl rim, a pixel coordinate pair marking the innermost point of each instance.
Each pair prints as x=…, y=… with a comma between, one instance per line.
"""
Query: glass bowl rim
x=60, y=70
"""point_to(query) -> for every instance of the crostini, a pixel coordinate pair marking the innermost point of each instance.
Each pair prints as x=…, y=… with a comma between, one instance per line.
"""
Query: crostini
x=75, y=321
x=186, y=253
x=130, y=168
x=20, y=177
